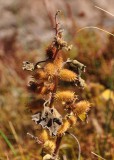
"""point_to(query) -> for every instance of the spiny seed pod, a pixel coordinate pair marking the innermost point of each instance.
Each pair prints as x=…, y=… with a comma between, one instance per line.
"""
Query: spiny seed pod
x=81, y=107
x=43, y=90
x=65, y=126
x=49, y=146
x=43, y=136
x=50, y=69
x=72, y=119
x=67, y=75
x=65, y=96
x=50, y=52
x=40, y=74
x=47, y=88
x=58, y=62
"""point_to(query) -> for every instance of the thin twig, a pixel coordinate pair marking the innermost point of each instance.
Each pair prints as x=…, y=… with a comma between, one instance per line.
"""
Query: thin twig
x=104, y=10
x=93, y=27
x=79, y=147
x=35, y=66
x=57, y=29
x=57, y=50
x=36, y=138
x=97, y=155
x=56, y=22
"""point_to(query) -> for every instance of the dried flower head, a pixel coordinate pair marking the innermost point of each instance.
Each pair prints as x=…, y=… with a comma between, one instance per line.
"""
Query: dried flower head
x=81, y=108
x=50, y=69
x=65, y=96
x=67, y=75
x=40, y=74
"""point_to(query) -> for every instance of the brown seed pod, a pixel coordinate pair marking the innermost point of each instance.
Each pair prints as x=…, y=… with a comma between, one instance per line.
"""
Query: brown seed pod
x=50, y=52
x=65, y=126
x=66, y=96
x=47, y=88
x=49, y=146
x=81, y=107
x=67, y=75
x=50, y=69
x=43, y=90
x=40, y=75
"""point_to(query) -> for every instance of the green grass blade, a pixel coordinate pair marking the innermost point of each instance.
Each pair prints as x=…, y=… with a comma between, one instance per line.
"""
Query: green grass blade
x=8, y=142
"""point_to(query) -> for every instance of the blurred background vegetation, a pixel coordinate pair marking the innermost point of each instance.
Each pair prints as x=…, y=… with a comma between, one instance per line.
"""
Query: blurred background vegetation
x=26, y=29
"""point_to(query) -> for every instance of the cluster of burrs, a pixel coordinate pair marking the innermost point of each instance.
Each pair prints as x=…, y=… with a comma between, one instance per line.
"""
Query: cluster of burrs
x=50, y=83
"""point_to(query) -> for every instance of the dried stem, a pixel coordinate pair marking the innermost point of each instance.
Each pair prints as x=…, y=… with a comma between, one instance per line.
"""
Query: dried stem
x=58, y=142
x=57, y=50
x=56, y=23
x=98, y=156
x=54, y=91
x=35, y=66
x=104, y=10
x=93, y=27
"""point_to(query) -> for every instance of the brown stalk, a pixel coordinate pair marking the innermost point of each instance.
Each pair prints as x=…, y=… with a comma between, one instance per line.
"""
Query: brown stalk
x=58, y=142
x=56, y=23
x=57, y=50
x=59, y=139
x=54, y=91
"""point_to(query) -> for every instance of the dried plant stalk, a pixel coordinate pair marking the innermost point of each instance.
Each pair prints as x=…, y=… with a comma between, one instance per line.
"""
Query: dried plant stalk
x=46, y=75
